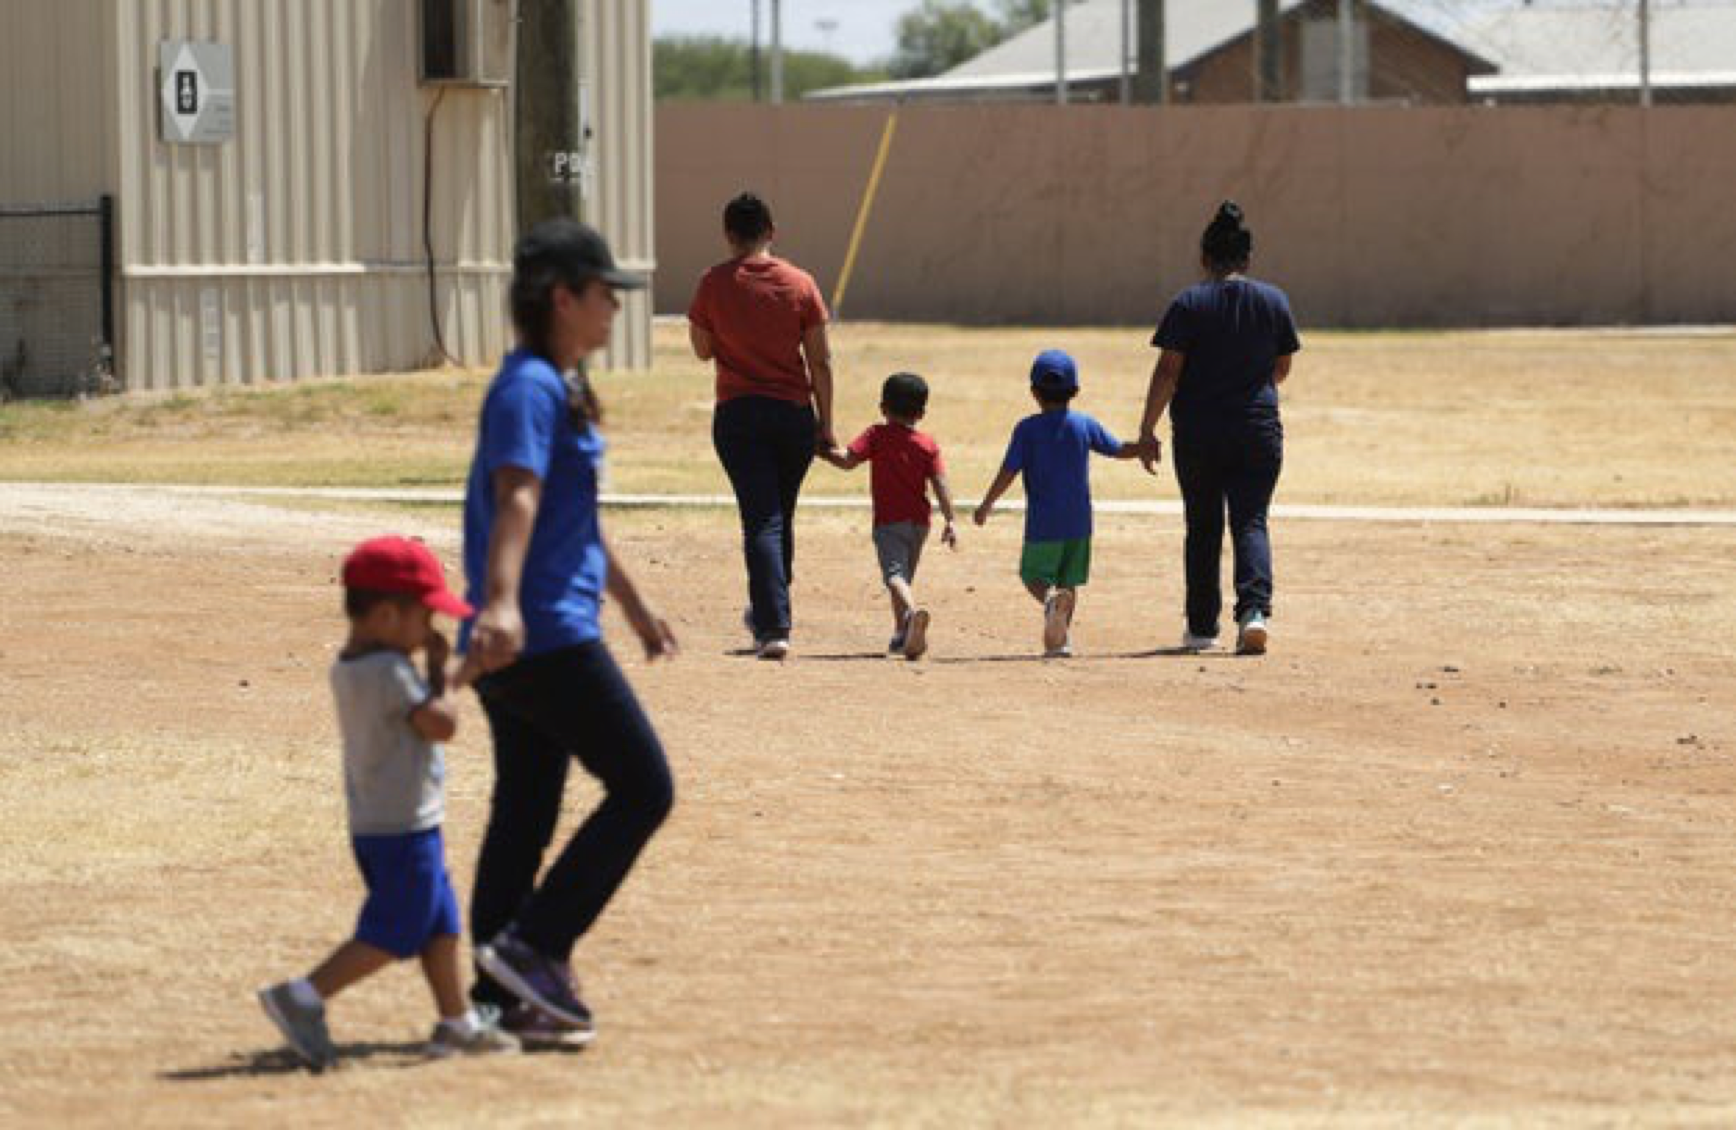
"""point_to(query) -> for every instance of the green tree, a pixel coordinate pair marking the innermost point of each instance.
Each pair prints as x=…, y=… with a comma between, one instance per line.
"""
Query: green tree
x=713, y=69
x=940, y=35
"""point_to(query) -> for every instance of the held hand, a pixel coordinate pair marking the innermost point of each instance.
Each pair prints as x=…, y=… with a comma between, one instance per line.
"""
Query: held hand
x=981, y=516
x=438, y=650
x=824, y=440
x=949, y=537
x=1150, y=453
x=497, y=638
x=653, y=631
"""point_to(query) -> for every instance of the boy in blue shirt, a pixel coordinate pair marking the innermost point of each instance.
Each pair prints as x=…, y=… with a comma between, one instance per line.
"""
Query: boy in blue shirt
x=1052, y=450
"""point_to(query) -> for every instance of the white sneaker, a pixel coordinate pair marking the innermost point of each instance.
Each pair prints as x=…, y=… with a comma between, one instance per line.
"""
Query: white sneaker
x=1057, y=616
x=774, y=649
x=1252, y=637
x=1191, y=642
x=916, y=633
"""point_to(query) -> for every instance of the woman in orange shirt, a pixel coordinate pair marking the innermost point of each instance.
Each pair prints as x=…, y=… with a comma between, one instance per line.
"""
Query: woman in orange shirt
x=762, y=322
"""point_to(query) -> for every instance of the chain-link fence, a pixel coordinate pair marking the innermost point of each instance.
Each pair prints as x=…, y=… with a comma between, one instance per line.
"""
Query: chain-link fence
x=57, y=299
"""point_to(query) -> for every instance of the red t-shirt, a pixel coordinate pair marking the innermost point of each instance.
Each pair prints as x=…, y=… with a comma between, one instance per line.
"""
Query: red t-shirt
x=756, y=311
x=901, y=462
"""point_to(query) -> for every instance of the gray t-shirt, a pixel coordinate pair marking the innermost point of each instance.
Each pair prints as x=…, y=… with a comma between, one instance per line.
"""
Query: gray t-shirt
x=392, y=777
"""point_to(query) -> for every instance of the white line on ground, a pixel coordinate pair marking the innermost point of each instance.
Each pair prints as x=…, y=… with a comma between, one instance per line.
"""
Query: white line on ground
x=1293, y=511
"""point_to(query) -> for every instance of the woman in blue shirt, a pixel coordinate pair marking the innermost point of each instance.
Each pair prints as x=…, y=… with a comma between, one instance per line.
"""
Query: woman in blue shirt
x=538, y=568
x=1227, y=344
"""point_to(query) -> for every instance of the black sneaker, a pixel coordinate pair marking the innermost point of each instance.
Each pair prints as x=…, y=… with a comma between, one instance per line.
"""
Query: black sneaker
x=534, y=978
x=537, y=1029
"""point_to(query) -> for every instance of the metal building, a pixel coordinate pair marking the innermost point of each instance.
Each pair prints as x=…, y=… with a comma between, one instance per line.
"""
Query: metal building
x=294, y=187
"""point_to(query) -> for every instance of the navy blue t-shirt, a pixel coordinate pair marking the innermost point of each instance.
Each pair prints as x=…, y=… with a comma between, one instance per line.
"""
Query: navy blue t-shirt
x=1232, y=333
x=526, y=423
x=1053, y=450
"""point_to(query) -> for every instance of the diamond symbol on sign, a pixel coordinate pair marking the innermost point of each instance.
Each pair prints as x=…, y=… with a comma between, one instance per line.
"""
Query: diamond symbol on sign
x=184, y=90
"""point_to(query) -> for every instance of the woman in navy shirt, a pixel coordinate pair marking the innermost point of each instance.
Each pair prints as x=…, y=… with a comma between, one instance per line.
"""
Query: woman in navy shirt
x=538, y=568
x=1227, y=343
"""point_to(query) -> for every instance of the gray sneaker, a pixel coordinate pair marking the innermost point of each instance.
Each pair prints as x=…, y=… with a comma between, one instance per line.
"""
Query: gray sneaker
x=476, y=1035
x=303, y=1028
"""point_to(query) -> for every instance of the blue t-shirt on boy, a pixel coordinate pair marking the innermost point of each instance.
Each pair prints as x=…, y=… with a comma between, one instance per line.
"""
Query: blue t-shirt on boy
x=527, y=423
x=1053, y=451
x=1232, y=332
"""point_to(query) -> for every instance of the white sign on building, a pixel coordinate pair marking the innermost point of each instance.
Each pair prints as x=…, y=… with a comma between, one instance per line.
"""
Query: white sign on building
x=198, y=92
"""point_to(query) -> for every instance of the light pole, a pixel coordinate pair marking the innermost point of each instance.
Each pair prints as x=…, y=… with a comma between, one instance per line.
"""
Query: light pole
x=1060, y=52
x=777, y=52
x=1645, y=52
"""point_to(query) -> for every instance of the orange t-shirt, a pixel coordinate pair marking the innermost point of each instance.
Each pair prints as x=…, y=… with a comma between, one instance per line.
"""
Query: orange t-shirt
x=756, y=311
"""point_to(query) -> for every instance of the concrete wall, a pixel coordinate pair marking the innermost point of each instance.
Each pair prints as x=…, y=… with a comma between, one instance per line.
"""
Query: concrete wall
x=1369, y=217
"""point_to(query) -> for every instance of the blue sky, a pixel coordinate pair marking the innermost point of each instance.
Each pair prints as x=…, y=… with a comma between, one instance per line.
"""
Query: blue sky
x=863, y=32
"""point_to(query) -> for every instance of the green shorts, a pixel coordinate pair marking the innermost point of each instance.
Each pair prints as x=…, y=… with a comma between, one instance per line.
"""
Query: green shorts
x=1063, y=564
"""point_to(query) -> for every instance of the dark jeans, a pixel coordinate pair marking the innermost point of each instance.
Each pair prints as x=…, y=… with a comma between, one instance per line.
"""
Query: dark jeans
x=766, y=447
x=543, y=712
x=1234, y=468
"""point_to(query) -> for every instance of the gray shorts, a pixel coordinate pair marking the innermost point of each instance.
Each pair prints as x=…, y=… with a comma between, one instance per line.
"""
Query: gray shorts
x=899, y=547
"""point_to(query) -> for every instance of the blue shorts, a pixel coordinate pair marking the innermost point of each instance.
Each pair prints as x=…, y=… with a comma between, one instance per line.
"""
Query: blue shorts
x=410, y=899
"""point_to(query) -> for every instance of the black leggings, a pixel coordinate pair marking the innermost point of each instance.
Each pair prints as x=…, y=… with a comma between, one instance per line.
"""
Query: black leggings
x=544, y=711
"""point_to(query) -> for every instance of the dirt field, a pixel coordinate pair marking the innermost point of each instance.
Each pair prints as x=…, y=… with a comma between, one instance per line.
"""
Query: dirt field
x=1458, y=851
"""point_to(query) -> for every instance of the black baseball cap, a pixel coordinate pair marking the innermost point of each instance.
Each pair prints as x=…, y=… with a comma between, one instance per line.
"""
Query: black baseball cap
x=575, y=250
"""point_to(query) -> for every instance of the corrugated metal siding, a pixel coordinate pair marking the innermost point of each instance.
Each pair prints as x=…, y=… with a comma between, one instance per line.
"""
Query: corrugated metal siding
x=300, y=241
x=617, y=69
x=56, y=88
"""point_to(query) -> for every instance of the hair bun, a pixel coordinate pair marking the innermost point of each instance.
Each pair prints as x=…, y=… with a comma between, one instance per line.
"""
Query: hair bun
x=1229, y=216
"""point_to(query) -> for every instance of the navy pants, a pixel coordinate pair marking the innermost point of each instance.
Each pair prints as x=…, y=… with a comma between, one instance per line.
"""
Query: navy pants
x=545, y=711
x=766, y=447
x=1233, y=469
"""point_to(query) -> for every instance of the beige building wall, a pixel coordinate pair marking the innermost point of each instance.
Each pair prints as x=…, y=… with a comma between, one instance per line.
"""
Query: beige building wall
x=295, y=248
x=56, y=87
x=1091, y=215
x=617, y=70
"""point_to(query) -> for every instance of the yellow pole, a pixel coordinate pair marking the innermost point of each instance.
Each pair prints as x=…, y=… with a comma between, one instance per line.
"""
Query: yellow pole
x=863, y=213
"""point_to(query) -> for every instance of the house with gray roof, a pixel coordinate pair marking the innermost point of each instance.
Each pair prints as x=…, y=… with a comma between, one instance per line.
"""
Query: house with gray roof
x=1591, y=53
x=1209, y=50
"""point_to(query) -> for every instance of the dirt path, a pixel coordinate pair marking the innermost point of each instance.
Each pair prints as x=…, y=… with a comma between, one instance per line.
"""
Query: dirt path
x=1459, y=850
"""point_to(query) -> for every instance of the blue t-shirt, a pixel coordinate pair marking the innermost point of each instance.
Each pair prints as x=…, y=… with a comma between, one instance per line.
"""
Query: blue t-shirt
x=1053, y=451
x=1232, y=333
x=527, y=423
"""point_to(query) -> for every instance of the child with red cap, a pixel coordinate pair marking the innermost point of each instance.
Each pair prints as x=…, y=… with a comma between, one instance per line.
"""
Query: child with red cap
x=392, y=719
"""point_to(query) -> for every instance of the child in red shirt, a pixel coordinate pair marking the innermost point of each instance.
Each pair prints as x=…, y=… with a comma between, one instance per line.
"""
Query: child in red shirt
x=905, y=462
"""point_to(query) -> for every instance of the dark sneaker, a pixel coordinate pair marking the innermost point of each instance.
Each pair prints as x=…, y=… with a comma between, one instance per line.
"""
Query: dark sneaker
x=895, y=645
x=916, y=634
x=534, y=978
x=537, y=1029
x=476, y=1034
x=303, y=1027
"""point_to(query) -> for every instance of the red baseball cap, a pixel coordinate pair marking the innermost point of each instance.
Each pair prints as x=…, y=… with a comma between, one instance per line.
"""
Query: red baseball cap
x=400, y=565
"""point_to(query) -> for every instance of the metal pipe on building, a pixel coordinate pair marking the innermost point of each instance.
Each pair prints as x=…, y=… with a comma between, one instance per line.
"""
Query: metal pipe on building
x=1268, y=46
x=1153, y=82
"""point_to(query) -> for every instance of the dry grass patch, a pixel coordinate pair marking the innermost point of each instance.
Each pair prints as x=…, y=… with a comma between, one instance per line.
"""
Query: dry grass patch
x=1563, y=418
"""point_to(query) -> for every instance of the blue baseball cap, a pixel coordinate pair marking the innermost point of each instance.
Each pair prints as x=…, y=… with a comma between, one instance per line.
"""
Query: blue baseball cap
x=1054, y=370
